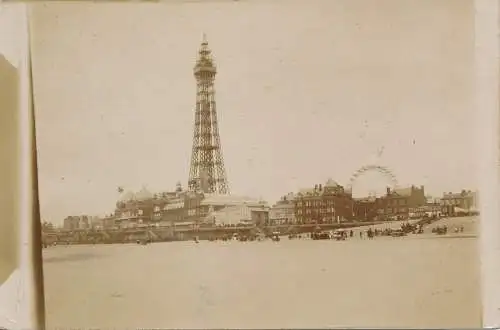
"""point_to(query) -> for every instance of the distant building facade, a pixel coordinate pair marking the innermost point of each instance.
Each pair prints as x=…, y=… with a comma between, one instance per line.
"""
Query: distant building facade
x=232, y=210
x=259, y=215
x=71, y=222
x=96, y=222
x=401, y=202
x=464, y=201
x=283, y=212
x=365, y=209
x=134, y=208
x=144, y=207
x=330, y=203
x=109, y=222
x=179, y=208
x=168, y=208
x=431, y=207
x=76, y=222
x=195, y=210
x=237, y=215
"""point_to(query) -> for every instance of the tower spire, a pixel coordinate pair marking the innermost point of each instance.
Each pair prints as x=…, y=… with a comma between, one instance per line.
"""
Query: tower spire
x=207, y=171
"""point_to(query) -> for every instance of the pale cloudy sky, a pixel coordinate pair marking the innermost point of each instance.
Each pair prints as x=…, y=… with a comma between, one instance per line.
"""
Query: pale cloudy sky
x=306, y=90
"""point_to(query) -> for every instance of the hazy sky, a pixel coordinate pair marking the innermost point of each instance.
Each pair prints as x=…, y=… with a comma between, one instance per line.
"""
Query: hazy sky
x=306, y=90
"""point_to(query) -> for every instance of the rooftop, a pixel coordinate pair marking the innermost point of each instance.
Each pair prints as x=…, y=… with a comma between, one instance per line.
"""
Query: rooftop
x=463, y=193
x=144, y=194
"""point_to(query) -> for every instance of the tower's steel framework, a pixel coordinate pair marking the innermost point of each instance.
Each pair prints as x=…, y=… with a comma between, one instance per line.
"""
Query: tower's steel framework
x=207, y=172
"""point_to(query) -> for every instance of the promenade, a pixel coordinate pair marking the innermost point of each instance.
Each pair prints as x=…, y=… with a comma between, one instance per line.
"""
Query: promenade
x=158, y=234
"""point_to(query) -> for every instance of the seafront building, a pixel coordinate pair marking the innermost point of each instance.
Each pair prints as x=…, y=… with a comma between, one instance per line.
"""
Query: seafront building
x=396, y=203
x=76, y=222
x=365, y=208
x=223, y=210
x=183, y=208
x=461, y=202
x=332, y=203
x=283, y=212
x=432, y=207
x=239, y=215
x=411, y=202
x=143, y=207
x=401, y=202
x=328, y=203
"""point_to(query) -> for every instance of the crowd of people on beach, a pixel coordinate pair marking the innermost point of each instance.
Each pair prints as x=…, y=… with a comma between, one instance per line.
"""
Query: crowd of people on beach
x=406, y=228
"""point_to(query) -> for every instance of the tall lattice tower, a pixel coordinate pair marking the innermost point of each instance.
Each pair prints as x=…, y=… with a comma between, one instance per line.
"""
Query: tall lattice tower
x=207, y=172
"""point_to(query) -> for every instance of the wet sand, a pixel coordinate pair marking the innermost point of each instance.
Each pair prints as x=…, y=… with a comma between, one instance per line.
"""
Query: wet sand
x=411, y=281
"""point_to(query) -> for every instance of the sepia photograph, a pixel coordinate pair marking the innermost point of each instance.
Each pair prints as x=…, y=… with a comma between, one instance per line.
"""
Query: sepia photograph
x=257, y=164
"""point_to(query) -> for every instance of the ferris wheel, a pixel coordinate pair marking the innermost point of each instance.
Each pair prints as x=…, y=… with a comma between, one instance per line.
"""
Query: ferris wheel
x=382, y=170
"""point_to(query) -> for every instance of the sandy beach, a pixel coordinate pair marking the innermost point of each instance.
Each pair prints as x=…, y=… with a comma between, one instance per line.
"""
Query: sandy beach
x=386, y=282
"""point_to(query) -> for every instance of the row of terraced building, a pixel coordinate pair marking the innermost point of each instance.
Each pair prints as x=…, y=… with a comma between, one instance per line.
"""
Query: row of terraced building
x=332, y=203
x=324, y=203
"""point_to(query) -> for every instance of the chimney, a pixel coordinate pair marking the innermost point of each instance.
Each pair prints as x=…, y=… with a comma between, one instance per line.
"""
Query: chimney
x=315, y=187
x=388, y=190
x=320, y=187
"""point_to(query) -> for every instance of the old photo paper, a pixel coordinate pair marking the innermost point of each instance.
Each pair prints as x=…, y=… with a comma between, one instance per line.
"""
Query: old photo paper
x=9, y=174
x=258, y=164
x=487, y=105
x=18, y=239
